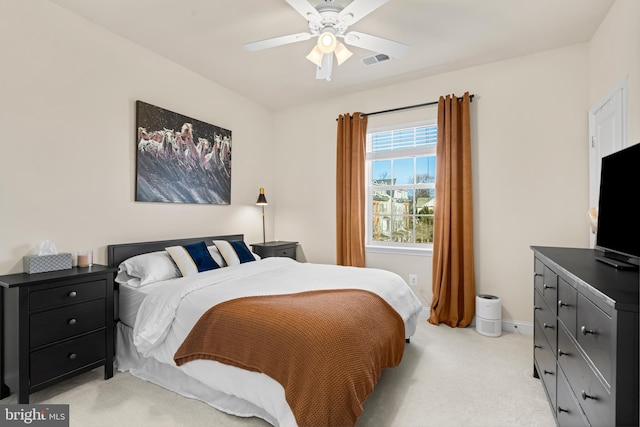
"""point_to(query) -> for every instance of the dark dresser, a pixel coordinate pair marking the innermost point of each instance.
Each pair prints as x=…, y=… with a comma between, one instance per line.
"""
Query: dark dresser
x=586, y=325
x=59, y=324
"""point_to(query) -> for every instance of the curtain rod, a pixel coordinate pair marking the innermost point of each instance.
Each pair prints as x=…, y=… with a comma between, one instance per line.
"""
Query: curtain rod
x=409, y=107
x=426, y=104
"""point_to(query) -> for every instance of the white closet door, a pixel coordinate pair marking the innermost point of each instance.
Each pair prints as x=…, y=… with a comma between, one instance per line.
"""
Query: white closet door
x=607, y=134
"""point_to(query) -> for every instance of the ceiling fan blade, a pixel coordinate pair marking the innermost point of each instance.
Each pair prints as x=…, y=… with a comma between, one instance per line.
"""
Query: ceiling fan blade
x=304, y=8
x=323, y=72
x=358, y=9
x=277, y=41
x=376, y=44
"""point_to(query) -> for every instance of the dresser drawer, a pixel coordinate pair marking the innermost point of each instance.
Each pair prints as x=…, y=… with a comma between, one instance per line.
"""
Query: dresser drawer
x=596, y=335
x=567, y=305
x=546, y=320
x=568, y=411
x=53, y=325
x=593, y=397
x=546, y=282
x=538, y=275
x=61, y=295
x=286, y=252
x=546, y=362
x=59, y=359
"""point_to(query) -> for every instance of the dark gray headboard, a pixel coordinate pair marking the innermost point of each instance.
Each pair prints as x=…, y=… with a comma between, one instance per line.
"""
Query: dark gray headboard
x=118, y=253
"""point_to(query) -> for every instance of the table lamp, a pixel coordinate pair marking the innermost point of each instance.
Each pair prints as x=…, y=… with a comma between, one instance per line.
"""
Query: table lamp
x=262, y=202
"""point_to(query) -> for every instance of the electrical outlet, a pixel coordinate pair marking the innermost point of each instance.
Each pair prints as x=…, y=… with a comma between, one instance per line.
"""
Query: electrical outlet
x=413, y=279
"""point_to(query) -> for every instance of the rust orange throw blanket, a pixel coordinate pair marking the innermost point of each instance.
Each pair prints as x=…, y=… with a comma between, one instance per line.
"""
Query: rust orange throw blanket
x=326, y=348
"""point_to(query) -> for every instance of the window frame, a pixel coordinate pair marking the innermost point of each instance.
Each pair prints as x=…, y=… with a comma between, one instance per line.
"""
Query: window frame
x=429, y=150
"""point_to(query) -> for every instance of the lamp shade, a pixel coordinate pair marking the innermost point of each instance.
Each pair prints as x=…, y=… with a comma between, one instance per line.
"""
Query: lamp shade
x=262, y=200
x=342, y=53
x=315, y=56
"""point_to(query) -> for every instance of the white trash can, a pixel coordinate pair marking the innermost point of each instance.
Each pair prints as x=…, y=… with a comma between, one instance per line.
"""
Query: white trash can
x=488, y=315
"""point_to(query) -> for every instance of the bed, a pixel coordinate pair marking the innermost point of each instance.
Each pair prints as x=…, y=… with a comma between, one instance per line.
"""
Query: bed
x=291, y=343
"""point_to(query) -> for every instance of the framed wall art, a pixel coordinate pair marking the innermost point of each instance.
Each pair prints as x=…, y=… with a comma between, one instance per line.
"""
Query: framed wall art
x=180, y=159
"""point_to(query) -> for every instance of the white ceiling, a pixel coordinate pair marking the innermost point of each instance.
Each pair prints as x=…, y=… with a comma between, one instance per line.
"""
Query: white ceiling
x=207, y=37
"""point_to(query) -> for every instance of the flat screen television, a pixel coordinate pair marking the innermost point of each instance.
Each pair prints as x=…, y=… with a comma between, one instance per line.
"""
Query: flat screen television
x=618, y=233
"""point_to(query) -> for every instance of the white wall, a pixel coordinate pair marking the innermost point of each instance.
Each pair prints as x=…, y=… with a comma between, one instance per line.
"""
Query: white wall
x=614, y=53
x=530, y=170
x=67, y=114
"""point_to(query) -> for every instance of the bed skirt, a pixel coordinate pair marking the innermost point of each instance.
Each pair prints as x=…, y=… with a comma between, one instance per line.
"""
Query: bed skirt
x=173, y=379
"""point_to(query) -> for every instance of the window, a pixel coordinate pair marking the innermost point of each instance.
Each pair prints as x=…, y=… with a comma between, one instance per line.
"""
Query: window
x=401, y=172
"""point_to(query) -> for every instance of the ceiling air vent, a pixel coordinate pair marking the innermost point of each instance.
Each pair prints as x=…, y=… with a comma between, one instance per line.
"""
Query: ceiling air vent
x=375, y=59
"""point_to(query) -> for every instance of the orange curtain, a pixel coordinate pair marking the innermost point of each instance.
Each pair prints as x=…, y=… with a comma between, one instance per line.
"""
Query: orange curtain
x=453, y=266
x=350, y=189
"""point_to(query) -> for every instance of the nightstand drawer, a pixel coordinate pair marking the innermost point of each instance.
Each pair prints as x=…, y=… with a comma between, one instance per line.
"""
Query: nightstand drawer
x=286, y=252
x=49, y=326
x=63, y=358
x=68, y=294
x=275, y=249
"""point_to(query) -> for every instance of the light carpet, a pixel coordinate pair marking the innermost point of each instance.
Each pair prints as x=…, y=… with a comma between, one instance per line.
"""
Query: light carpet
x=448, y=377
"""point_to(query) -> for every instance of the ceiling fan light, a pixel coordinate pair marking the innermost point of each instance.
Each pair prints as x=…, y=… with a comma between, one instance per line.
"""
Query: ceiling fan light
x=326, y=42
x=342, y=53
x=315, y=56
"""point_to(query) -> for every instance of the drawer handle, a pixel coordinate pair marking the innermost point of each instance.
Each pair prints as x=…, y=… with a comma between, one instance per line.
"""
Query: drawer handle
x=562, y=304
x=535, y=307
x=72, y=356
x=545, y=286
x=72, y=294
x=537, y=346
x=548, y=326
x=548, y=372
x=586, y=331
x=585, y=396
x=562, y=353
x=72, y=321
x=560, y=409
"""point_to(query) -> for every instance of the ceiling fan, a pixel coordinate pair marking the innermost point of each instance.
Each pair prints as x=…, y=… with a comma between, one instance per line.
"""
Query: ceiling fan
x=329, y=22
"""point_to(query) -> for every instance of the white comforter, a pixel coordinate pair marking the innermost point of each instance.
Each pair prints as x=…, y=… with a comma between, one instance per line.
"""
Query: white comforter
x=167, y=315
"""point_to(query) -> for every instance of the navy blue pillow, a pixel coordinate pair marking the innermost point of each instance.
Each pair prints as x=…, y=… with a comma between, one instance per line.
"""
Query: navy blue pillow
x=243, y=252
x=193, y=258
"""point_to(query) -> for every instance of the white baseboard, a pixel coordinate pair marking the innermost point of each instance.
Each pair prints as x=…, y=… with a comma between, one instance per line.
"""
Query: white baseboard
x=522, y=328
x=515, y=326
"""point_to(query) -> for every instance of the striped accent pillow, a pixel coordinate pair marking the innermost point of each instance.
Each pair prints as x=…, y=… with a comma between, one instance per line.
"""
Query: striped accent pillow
x=192, y=259
x=234, y=252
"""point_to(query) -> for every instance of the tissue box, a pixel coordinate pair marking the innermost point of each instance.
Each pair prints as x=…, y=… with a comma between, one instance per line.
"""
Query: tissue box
x=44, y=263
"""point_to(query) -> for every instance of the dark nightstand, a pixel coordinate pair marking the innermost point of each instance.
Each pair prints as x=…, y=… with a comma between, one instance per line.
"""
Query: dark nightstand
x=59, y=324
x=275, y=249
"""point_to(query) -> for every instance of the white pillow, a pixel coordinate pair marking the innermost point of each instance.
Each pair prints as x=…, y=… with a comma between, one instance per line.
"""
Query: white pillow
x=235, y=252
x=147, y=268
x=215, y=254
